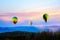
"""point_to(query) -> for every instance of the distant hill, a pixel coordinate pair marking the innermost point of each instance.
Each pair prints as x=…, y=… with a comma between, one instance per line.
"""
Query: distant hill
x=29, y=29
x=19, y=28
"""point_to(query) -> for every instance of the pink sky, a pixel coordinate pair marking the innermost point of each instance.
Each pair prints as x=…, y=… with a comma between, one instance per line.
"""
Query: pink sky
x=34, y=14
x=54, y=16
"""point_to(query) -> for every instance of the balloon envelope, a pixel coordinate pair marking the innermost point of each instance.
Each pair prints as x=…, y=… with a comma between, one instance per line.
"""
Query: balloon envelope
x=14, y=20
x=45, y=17
x=30, y=22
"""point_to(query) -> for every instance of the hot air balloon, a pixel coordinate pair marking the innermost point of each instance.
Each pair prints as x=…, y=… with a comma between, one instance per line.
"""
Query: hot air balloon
x=30, y=22
x=45, y=17
x=14, y=20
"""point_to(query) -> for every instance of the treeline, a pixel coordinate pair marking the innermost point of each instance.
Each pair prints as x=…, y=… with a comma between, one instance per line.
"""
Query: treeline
x=30, y=36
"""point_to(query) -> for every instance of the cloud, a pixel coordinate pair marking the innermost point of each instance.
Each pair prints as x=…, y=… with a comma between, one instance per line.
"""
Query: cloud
x=21, y=16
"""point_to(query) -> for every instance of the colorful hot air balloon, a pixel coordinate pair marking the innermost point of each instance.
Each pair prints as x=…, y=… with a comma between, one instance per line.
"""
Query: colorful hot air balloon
x=45, y=17
x=14, y=20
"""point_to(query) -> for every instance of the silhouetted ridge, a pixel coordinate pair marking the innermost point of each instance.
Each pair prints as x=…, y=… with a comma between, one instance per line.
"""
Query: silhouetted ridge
x=19, y=35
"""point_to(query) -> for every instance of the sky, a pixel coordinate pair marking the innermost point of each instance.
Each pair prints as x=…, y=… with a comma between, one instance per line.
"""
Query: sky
x=29, y=10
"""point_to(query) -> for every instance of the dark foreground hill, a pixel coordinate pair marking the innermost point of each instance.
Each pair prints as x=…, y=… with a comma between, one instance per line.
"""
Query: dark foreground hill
x=20, y=35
